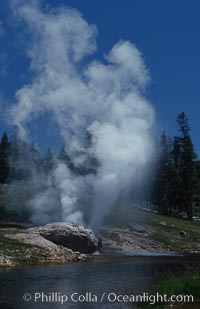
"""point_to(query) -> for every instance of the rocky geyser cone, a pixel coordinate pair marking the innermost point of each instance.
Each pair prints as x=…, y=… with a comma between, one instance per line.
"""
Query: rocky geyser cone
x=68, y=235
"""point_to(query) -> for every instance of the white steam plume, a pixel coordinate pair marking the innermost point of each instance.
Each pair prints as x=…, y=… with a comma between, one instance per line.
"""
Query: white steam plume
x=103, y=98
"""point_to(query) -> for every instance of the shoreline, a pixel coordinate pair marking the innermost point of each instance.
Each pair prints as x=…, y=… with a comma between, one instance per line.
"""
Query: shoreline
x=20, y=247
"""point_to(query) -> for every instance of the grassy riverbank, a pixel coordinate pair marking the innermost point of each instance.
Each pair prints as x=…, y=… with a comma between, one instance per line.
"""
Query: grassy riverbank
x=15, y=252
x=185, y=287
x=171, y=233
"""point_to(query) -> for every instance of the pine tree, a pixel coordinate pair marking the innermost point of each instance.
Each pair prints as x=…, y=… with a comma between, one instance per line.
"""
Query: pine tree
x=176, y=203
x=161, y=188
x=197, y=193
x=4, y=158
x=24, y=159
x=176, y=188
x=186, y=163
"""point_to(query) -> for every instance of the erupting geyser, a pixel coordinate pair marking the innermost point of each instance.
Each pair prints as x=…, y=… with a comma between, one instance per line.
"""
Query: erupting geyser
x=104, y=99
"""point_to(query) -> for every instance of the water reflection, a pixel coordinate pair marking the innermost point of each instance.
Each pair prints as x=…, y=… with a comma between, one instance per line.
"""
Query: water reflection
x=120, y=275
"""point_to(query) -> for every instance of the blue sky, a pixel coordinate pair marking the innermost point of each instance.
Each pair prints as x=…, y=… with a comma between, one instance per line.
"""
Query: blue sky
x=166, y=32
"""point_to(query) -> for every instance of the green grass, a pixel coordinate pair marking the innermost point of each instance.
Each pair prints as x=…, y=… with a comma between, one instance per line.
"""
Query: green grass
x=187, y=284
x=173, y=285
x=162, y=229
x=122, y=215
x=162, y=239
x=20, y=251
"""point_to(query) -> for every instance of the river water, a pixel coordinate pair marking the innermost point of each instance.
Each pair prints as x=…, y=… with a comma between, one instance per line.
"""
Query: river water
x=120, y=275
